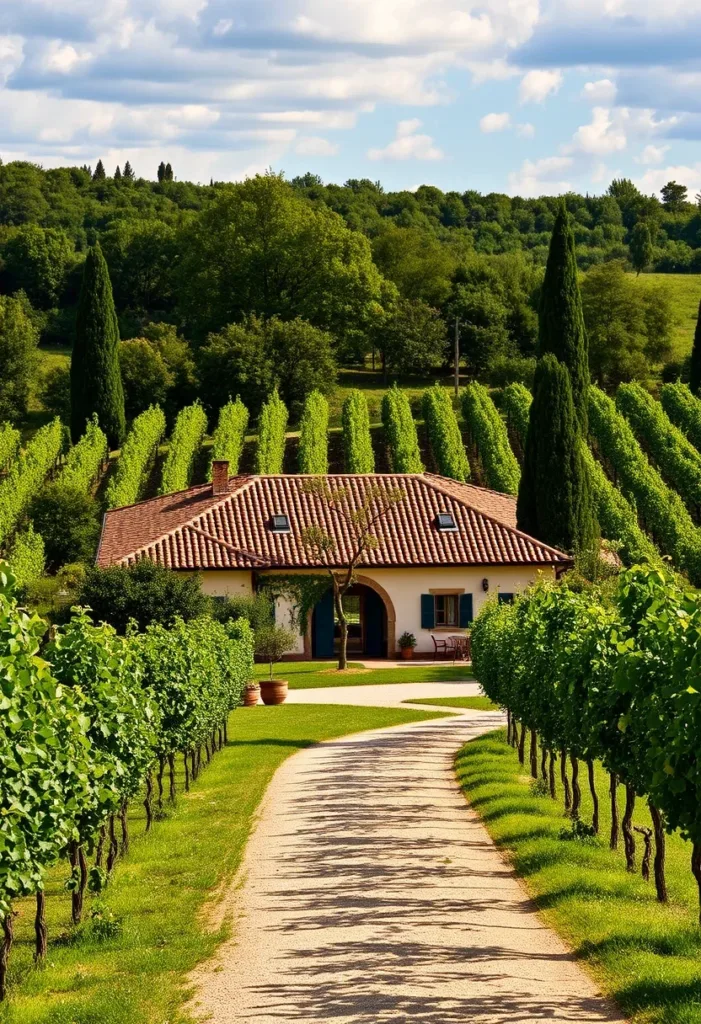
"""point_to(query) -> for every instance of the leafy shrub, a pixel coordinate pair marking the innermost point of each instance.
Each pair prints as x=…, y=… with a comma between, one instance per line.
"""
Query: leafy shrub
x=229, y=436
x=444, y=434
x=183, y=446
x=85, y=459
x=516, y=405
x=489, y=432
x=27, y=474
x=257, y=610
x=55, y=392
x=313, y=437
x=68, y=518
x=272, y=424
x=271, y=642
x=660, y=510
x=684, y=410
x=145, y=592
x=400, y=432
x=26, y=557
x=135, y=459
x=9, y=444
x=357, y=441
x=675, y=457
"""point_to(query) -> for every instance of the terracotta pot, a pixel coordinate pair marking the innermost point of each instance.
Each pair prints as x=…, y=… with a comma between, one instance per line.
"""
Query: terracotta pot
x=250, y=696
x=273, y=691
x=407, y=653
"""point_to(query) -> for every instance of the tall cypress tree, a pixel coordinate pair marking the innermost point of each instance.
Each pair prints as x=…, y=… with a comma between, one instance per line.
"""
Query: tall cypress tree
x=560, y=318
x=554, y=498
x=96, y=380
x=99, y=172
x=161, y=171
x=695, y=368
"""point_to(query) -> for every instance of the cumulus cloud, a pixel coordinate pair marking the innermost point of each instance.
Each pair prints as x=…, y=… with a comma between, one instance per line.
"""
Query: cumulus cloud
x=602, y=136
x=653, y=179
x=653, y=154
x=314, y=145
x=537, y=85
x=408, y=145
x=602, y=91
x=538, y=177
x=525, y=130
x=495, y=123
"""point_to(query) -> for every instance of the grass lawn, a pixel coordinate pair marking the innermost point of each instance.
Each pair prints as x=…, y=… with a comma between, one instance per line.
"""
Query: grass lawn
x=685, y=292
x=645, y=955
x=302, y=675
x=474, y=703
x=157, y=894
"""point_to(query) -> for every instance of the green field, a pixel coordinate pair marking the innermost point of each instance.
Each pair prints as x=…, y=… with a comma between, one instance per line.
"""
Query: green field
x=685, y=290
x=128, y=964
x=303, y=675
x=645, y=955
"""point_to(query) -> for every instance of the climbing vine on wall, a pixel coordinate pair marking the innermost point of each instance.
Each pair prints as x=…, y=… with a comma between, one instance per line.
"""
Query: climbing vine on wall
x=303, y=591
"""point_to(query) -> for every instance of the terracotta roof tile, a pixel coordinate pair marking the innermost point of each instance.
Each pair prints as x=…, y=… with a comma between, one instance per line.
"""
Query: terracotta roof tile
x=196, y=529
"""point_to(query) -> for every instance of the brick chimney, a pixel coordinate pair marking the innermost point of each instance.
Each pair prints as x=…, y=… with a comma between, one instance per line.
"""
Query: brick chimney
x=220, y=476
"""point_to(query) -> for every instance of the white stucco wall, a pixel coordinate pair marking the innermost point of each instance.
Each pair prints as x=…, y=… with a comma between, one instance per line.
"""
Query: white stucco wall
x=228, y=582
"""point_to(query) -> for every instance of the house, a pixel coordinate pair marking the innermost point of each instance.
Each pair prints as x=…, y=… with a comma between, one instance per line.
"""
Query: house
x=443, y=550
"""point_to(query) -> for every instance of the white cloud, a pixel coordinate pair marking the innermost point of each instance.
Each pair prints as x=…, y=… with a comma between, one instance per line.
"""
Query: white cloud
x=601, y=92
x=655, y=178
x=495, y=123
x=408, y=145
x=525, y=131
x=537, y=85
x=314, y=145
x=602, y=136
x=653, y=154
x=536, y=178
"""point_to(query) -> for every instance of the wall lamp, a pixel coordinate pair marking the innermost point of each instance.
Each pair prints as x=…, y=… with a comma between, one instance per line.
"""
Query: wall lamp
x=485, y=584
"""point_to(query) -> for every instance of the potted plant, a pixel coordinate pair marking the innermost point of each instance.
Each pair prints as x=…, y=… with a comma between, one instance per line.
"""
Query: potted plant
x=271, y=642
x=407, y=643
x=251, y=694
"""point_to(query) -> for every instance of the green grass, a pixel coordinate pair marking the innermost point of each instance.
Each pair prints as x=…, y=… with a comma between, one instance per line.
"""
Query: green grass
x=159, y=890
x=685, y=292
x=303, y=675
x=644, y=955
x=473, y=703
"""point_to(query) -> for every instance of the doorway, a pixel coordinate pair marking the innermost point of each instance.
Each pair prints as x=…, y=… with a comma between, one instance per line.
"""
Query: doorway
x=367, y=624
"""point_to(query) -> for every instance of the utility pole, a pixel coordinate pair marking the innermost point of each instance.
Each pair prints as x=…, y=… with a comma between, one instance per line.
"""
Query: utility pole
x=457, y=357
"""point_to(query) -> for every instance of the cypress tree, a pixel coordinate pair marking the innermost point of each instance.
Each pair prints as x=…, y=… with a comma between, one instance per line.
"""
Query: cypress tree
x=168, y=173
x=695, y=367
x=99, y=173
x=128, y=172
x=161, y=171
x=560, y=318
x=96, y=381
x=117, y=173
x=554, y=498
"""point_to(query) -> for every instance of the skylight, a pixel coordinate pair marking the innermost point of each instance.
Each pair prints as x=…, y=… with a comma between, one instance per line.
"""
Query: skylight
x=280, y=524
x=445, y=521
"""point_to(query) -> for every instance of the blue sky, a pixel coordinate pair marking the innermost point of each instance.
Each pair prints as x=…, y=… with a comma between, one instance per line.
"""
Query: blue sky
x=519, y=96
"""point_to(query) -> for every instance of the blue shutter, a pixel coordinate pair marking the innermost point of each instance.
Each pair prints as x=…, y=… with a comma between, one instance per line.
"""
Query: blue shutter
x=505, y=598
x=428, y=611
x=465, y=610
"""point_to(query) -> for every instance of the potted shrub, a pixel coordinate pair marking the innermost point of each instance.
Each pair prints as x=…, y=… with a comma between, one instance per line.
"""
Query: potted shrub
x=271, y=642
x=407, y=643
x=251, y=694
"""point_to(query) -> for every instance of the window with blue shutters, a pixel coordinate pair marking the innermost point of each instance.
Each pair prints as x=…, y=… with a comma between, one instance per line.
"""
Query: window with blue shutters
x=465, y=610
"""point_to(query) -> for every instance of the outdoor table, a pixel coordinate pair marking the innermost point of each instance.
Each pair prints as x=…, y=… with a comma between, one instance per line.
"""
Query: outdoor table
x=461, y=647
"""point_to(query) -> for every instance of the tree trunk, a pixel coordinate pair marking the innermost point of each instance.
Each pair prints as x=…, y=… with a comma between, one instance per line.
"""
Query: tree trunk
x=125, y=827
x=576, y=791
x=544, y=762
x=627, y=829
x=206, y=750
x=343, y=627
x=161, y=769
x=77, y=891
x=100, y=847
x=193, y=764
x=533, y=754
x=594, y=797
x=553, y=788
x=186, y=766
x=226, y=731
x=147, y=802
x=646, y=833
x=522, y=745
x=113, y=850
x=40, y=934
x=695, y=870
x=508, y=727
x=613, y=790
x=171, y=777
x=660, y=850
x=8, y=932
x=565, y=781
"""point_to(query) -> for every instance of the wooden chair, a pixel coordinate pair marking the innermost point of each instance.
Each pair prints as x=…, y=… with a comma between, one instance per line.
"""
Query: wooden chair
x=439, y=645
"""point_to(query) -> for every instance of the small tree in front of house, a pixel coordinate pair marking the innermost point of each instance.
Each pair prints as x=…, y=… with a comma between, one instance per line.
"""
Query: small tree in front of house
x=360, y=522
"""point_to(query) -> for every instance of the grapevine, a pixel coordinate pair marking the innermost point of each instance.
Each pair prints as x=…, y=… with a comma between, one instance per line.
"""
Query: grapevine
x=183, y=446
x=400, y=432
x=444, y=434
x=489, y=432
x=313, y=438
x=229, y=436
x=135, y=458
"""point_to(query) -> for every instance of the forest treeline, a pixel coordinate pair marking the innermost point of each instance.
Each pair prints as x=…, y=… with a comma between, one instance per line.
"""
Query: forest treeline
x=213, y=282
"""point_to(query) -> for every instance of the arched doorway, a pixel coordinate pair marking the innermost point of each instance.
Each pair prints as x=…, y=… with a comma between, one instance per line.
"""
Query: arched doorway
x=370, y=618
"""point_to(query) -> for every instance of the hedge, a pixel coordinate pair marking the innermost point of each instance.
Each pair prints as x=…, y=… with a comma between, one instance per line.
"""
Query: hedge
x=136, y=458
x=444, y=433
x=491, y=439
x=28, y=473
x=400, y=432
x=313, y=436
x=183, y=447
x=272, y=424
x=229, y=436
x=357, y=441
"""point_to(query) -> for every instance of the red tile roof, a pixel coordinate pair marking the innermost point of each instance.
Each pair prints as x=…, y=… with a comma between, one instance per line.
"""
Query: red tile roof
x=196, y=529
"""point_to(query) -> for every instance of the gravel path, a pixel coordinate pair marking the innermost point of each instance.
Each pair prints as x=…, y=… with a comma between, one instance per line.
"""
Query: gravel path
x=372, y=893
